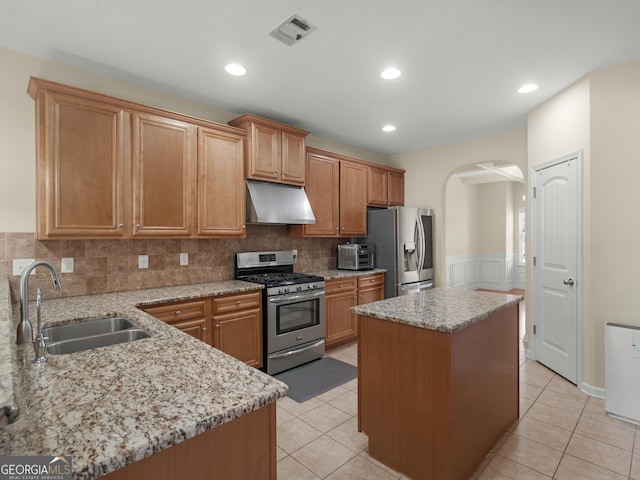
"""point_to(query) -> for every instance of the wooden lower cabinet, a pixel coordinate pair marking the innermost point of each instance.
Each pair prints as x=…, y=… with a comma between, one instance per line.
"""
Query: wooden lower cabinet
x=236, y=320
x=191, y=317
x=341, y=295
x=242, y=449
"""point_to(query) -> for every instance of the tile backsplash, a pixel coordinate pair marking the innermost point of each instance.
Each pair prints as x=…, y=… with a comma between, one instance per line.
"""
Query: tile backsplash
x=102, y=266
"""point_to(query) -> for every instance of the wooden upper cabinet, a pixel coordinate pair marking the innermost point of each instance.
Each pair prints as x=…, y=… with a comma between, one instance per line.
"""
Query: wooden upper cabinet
x=163, y=176
x=323, y=191
x=385, y=187
x=221, y=186
x=353, y=199
x=109, y=168
x=80, y=164
x=337, y=192
x=275, y=151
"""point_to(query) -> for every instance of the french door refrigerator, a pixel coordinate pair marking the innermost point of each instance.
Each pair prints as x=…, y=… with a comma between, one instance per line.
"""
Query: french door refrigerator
x=403, y=241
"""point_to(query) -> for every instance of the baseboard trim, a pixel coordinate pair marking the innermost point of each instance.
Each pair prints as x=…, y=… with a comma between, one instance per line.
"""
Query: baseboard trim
x=591, y=390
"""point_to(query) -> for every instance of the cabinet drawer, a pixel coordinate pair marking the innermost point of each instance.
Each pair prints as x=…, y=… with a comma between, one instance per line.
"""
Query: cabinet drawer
x=232, y=303
x=340, y=286
x=371, y=281
x=178, y=312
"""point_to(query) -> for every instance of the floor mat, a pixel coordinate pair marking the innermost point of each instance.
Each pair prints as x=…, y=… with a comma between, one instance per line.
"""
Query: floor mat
x=314, y=378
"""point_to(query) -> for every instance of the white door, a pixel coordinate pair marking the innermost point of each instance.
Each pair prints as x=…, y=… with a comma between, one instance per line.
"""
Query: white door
x=555, y=272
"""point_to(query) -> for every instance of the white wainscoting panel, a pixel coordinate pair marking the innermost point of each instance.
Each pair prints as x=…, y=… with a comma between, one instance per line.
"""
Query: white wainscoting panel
x=497, y=272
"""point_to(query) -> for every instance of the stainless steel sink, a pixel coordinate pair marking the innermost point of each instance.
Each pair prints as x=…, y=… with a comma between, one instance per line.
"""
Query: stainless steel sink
x=75, y=337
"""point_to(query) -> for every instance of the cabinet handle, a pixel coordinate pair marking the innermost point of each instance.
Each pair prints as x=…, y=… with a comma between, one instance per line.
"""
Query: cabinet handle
x=177, y=312
x=121, y=225
x=217, y=325
x=238, y=302
x=243, y=227
x=341, y=285
x=137, y=225
x=204, y=329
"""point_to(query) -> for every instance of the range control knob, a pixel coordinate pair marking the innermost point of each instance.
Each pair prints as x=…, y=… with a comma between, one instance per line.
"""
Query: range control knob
x=299, y=288
x=284, y=290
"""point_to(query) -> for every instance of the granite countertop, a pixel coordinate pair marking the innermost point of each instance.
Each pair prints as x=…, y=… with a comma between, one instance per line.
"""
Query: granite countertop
x=112, y=406
x=337, y=274
x=443, y=309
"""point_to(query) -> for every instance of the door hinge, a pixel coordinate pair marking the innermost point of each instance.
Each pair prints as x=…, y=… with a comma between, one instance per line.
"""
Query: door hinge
x=534, y=192
x=534, y=261
x=534, y=329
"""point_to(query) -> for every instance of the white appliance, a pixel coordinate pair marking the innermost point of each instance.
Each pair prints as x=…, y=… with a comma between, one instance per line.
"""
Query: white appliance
x=402, y=238
x=622, y=371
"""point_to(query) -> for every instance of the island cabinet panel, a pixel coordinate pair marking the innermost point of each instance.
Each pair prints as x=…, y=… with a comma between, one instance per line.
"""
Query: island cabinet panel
x=163, y=176
x=237, y=321
x=80, y=165
x=275, y=151
x=221, y=185
x=242, y=449
x=433, y=404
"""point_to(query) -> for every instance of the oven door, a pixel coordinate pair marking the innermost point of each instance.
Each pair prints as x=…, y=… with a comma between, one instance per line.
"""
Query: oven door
x=294, y=319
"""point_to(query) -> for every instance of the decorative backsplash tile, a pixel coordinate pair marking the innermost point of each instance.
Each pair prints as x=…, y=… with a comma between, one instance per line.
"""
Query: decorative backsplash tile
x=112, y=265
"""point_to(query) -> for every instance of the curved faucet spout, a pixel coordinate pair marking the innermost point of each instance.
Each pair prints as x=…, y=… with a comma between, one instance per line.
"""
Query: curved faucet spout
x=25, y=329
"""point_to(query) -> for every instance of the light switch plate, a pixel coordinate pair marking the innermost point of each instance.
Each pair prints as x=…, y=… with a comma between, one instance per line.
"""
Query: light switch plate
x=67, y=265
x=19, y=264
x=143, y=261
x=184, y=259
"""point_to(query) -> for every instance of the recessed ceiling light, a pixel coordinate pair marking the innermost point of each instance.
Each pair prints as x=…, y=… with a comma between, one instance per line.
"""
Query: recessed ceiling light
x=390, y=73
x=235, y=69
x=388, y=128
x=528, y=88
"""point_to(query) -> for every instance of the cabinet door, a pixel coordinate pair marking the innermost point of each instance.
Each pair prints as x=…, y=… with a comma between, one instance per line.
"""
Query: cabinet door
x=323, y=191
x=396, y=188
x=81, y=145
x=377, y=191
x=293, y=161
x=163, y=176
x=353, y=199
x=265, y=153
x=240, y=335
x=341, y=323
x=221, y=185
x=196, y=328
x=191, y=317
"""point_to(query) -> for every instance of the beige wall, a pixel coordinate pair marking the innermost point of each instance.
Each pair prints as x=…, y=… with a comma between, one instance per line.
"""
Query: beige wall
x=17, y=127
x=429, y=171
x=462, y=222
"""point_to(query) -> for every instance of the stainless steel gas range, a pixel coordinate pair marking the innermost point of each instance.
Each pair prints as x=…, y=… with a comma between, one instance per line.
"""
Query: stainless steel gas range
x=293, y=306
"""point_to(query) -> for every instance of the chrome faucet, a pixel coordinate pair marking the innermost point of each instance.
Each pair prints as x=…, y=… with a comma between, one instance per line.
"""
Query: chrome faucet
x=25, y=329
x=39, y=344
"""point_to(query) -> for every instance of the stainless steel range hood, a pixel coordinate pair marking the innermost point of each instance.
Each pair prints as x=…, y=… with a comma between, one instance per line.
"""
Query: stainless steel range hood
x=277, y=203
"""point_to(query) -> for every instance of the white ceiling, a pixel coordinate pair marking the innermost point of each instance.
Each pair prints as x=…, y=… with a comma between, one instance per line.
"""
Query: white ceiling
x=461, y=60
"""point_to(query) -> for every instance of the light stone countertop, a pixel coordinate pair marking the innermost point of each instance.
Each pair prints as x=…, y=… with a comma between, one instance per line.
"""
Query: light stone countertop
x=338, y=274
x=112, y=406
x=443, y=309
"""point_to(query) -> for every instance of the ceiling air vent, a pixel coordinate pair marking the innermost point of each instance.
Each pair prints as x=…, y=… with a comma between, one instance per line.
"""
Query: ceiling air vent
x=292, y=30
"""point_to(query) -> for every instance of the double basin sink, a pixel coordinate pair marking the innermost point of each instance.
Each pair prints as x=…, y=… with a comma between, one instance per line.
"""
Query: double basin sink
x=85, y=335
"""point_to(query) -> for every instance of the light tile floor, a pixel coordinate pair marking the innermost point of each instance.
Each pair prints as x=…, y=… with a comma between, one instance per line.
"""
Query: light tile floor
x=562, y=433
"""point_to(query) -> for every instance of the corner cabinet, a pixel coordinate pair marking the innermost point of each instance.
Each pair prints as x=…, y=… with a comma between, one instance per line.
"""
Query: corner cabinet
x=386, y=187
x=341, y=295
x=193, y=317
x=337, y=191
x=108, y=168
x=275, y=151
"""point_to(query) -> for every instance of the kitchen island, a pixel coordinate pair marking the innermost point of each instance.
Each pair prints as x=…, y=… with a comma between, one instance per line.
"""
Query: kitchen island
x=164, y=407
x=438, y=379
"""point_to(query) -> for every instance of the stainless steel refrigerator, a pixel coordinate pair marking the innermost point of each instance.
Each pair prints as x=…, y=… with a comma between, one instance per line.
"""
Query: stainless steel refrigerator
x=403, y=241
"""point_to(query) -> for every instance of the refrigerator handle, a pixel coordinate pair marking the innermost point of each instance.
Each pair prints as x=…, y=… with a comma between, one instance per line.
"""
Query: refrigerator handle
x=421, y=247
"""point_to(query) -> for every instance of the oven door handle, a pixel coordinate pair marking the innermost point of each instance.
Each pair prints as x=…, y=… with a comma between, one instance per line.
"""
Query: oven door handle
x=299, y=350
x=288, y=298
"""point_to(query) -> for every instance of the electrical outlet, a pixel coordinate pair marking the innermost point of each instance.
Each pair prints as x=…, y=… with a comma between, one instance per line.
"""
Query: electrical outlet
x=67, y=265
x=184, y=259
x=143, y=261
x=19, y=265
x=295, y=255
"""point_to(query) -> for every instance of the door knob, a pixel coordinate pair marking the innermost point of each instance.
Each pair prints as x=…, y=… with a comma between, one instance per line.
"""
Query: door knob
x=568, y=281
